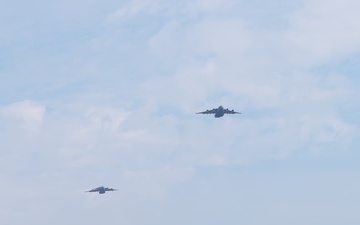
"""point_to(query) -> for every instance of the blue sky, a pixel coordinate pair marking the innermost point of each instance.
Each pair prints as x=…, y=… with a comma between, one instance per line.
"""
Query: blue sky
x=105, y=93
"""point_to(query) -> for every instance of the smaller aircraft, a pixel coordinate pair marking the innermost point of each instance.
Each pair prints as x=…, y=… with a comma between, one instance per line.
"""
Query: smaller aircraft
x=219, y=112
x=102, y=190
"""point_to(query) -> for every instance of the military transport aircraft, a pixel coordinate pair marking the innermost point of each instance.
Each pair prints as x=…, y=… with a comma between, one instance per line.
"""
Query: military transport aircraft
x=219, y=112
x=102, y=190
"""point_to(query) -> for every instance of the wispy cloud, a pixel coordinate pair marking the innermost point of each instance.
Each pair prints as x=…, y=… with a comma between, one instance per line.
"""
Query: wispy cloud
x=30, y=114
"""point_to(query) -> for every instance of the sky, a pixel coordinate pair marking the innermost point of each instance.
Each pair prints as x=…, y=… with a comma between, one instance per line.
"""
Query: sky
x=104, y=93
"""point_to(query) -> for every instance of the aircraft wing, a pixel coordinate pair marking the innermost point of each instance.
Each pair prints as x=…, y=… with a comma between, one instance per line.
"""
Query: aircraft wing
x=94, y=190
x=213, y=111
x=110, y=189
x=227, y=111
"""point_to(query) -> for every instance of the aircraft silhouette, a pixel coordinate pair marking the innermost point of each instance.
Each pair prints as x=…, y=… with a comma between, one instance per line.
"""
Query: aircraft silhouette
x=219, y=112
x=102, y=190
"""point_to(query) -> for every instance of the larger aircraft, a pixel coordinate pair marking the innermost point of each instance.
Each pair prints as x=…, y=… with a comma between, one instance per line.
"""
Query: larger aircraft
x=102, y=190
x=219, y=112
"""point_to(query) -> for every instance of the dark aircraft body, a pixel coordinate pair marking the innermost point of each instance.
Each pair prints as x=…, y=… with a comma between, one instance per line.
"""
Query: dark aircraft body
x=219, y=112
x=102, y=190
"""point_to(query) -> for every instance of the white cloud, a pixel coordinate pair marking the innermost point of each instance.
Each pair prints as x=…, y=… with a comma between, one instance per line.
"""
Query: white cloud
x=326, y=130
x=168, y=9
x=106, y=118
x=323, y=31
x=229, y=39
x=29, y=113
x=134, y=8
x=213, y=6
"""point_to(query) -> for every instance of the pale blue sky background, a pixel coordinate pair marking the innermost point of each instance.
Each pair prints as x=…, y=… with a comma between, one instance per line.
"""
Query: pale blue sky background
x=105, y=93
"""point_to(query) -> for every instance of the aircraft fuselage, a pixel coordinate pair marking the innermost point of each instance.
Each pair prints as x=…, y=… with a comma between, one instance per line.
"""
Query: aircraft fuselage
x=219, y=112
x=102, y=190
